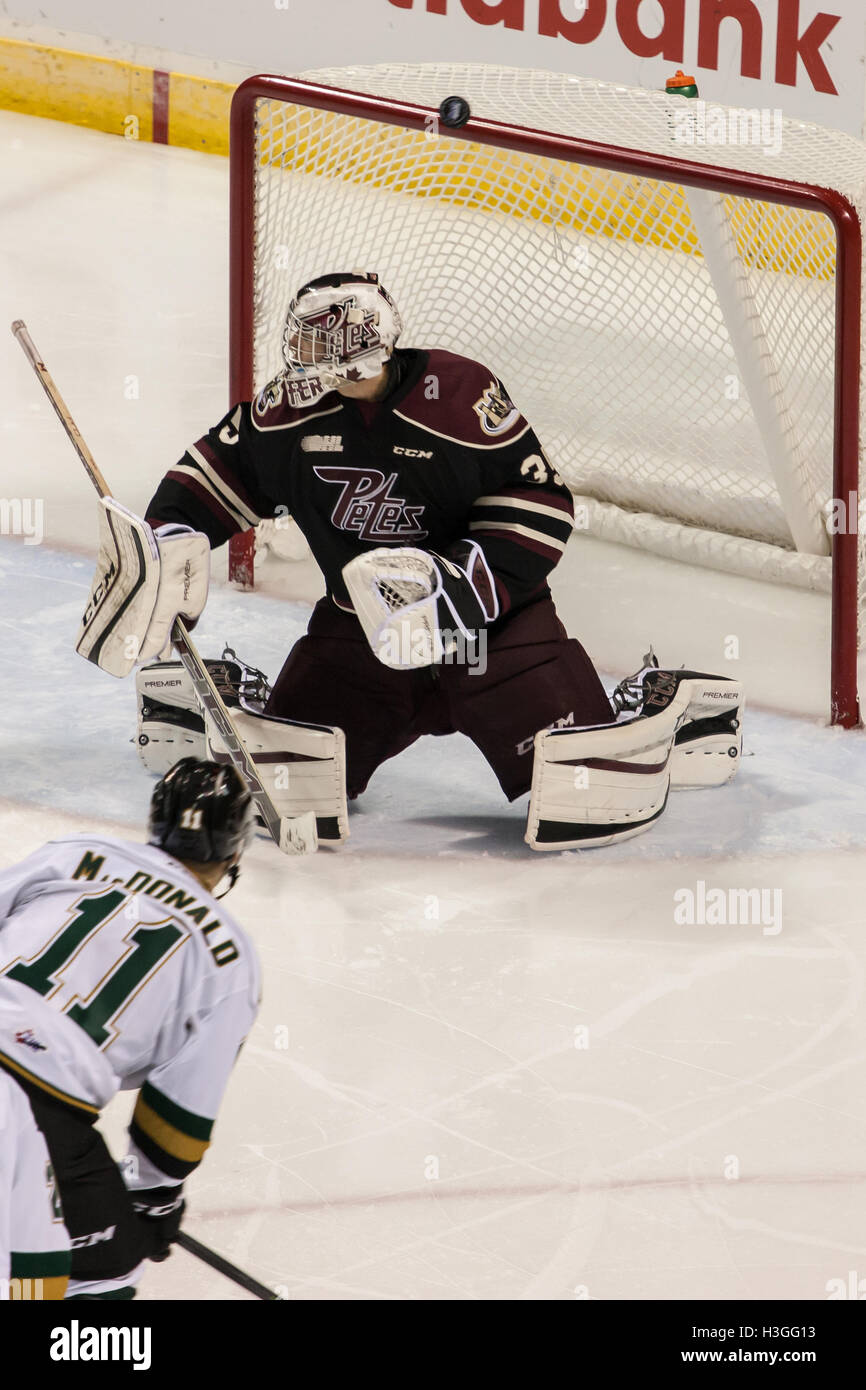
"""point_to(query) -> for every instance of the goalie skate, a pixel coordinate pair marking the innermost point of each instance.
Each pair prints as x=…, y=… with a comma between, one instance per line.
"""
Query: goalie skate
x=708, y=743
x=301, y=766
x=170, y=722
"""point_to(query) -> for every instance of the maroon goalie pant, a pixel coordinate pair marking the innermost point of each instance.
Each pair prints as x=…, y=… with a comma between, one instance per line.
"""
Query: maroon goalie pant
x=535, y=676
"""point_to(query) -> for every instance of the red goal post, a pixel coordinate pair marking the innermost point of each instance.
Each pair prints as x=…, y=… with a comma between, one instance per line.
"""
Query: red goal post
x=335, y=170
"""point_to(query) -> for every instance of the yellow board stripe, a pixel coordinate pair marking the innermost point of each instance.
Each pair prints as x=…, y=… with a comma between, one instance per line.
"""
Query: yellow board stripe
x=100, y=93
x=596, y=202
x=171, y=1140
x=198, y=113
x=111, y=95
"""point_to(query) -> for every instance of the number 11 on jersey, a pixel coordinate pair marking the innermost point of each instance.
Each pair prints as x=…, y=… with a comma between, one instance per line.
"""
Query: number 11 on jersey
x=44, y=973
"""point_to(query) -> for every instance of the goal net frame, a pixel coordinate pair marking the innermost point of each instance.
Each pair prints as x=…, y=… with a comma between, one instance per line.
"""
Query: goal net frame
x=690, y=173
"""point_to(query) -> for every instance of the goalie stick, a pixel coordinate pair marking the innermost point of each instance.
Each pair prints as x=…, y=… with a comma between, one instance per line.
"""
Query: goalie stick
x=294, y=835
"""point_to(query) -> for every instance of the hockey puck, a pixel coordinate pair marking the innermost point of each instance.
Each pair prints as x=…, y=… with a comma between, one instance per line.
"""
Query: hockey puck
x=454, y=112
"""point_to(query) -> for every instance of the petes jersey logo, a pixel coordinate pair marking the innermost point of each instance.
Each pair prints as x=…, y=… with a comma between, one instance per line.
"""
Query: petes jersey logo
x=366, y=506
x=495, y=411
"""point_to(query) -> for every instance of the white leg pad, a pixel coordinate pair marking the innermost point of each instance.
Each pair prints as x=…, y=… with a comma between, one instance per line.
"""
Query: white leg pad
x=302, y=767
x=593, y=787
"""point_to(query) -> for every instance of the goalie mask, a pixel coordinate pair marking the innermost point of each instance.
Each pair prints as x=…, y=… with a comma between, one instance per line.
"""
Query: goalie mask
x=340, y=328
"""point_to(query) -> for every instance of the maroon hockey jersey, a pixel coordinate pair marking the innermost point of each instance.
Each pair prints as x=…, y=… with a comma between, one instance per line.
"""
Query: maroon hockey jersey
x=445, y=455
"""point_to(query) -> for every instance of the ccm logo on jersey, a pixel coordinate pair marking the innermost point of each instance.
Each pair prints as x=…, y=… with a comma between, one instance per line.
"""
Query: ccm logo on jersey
x=413, y=453
x=322, y=444
x=495, y=411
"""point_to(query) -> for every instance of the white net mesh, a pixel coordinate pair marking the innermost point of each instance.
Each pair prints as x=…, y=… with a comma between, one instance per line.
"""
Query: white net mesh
x=673, y=349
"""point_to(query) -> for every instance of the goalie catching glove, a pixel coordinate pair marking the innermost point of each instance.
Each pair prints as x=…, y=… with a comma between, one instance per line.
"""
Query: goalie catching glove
x=143, y=581
x=416, y=607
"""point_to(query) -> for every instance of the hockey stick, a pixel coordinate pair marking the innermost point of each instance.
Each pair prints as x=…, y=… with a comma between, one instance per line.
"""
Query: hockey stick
x=223, y=1266
x=294, y=835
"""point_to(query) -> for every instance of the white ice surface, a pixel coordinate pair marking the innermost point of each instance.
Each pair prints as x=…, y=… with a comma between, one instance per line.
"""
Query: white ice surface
x=432, y=1130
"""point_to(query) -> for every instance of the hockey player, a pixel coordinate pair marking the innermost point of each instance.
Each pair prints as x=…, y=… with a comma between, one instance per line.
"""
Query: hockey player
x=34, y=1245
x=119, y=970
x=436, y=519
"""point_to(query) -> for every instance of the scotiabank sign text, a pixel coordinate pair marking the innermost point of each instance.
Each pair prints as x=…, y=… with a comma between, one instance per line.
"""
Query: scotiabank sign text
x=798, y=45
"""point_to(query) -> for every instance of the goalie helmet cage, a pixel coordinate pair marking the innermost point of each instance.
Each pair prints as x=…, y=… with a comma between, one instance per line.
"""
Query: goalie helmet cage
x=679, y=320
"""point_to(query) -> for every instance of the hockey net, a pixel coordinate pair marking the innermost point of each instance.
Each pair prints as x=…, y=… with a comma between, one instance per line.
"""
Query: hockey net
x=678, y=319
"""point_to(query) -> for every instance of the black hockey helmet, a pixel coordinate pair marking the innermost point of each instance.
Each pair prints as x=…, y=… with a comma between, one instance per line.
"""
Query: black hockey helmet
x=201, y=811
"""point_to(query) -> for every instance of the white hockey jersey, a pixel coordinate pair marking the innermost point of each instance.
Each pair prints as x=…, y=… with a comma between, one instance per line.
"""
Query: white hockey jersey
x=34, y=1244
x=118, y=970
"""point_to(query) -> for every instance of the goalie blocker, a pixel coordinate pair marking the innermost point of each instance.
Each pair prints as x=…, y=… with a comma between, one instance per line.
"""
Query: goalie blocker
x=144, y=580
x=301, y=766
x=595, y=786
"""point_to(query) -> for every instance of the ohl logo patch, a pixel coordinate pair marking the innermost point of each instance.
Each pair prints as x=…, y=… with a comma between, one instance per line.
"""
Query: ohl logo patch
x=366, y=506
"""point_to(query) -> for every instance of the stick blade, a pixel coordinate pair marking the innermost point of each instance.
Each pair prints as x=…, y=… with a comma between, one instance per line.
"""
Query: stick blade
x=298, y=834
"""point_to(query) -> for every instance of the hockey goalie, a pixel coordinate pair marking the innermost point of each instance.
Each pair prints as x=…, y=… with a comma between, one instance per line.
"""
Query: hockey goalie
x=436, y=519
